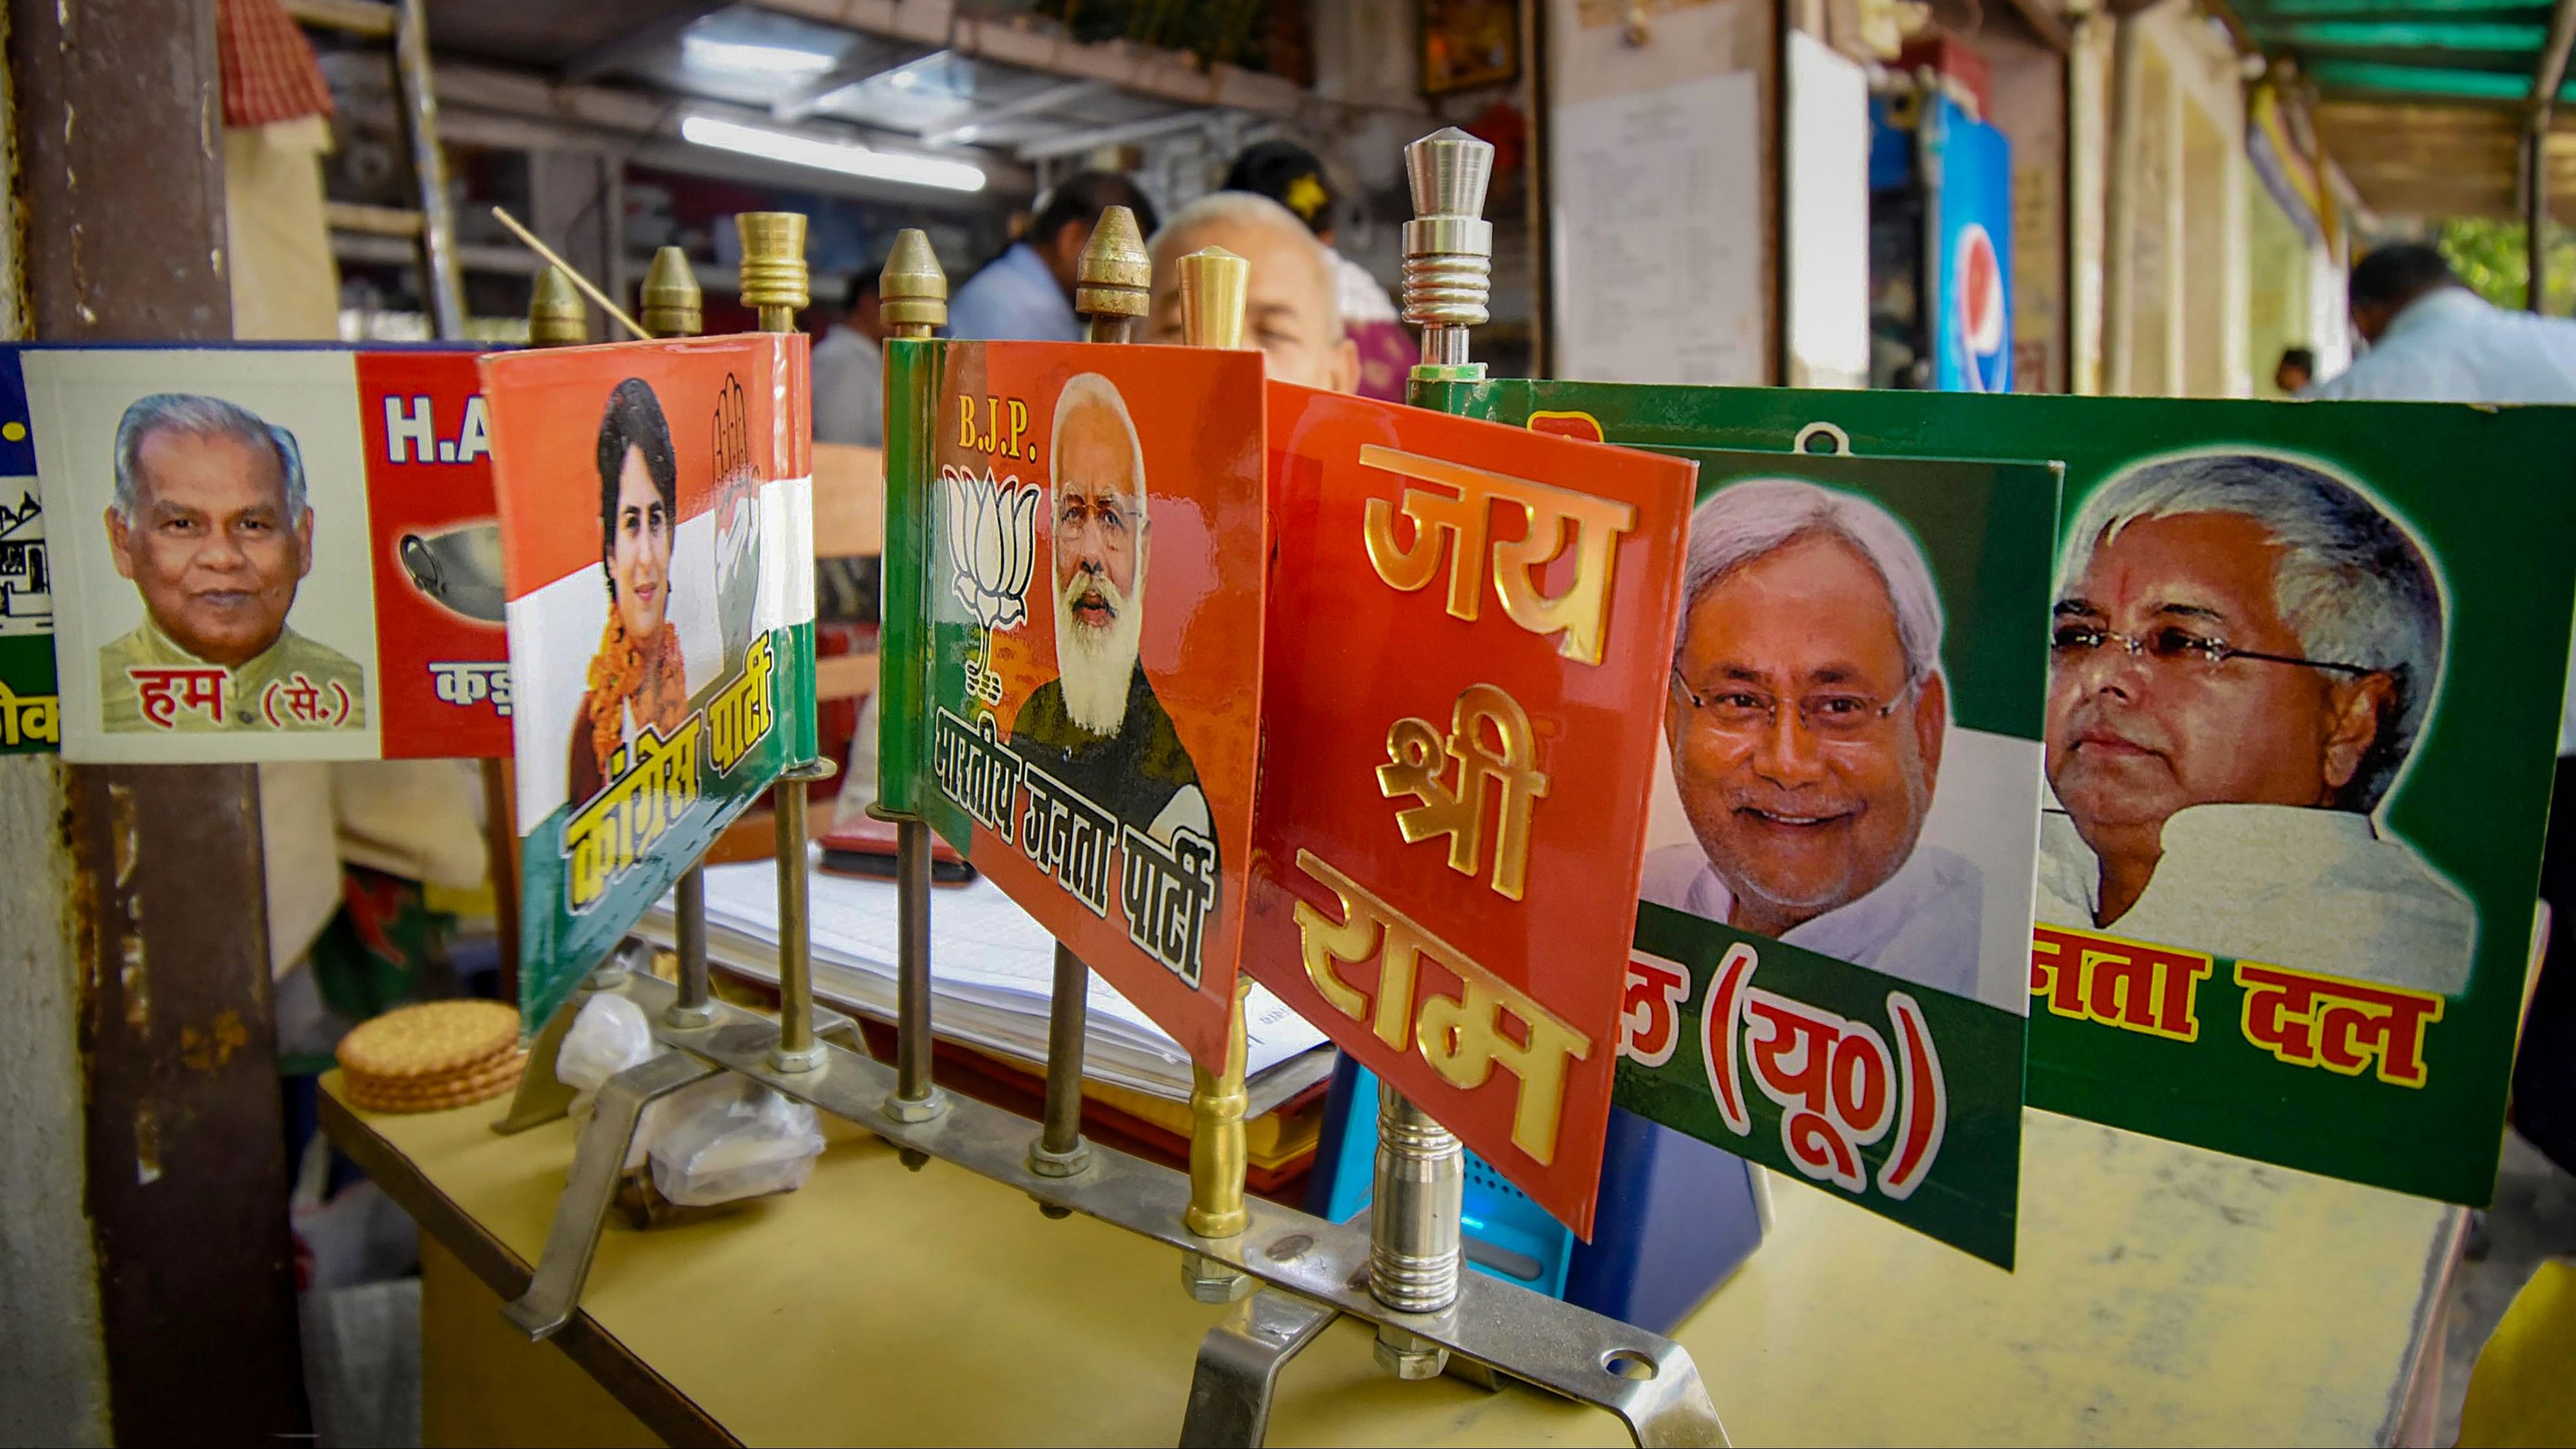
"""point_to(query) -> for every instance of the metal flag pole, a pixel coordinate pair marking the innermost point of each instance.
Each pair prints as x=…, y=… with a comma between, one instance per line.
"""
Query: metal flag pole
x=1213, y=283
x=674, y=306
x=556, y=318
x=1415, y=1233
x=912, y=297
x=1114, y=282
x=1318, y=1270
x=1111, y=290
x=773, y=284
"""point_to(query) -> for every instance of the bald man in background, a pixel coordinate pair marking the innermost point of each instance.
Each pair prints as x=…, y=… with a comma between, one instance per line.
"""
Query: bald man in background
x=1290, y=309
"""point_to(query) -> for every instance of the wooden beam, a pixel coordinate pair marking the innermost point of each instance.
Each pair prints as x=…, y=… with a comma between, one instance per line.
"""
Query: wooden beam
x=184, y=1172
x=2046, y=24
x=2429, y=160
x=370, y=18
x=371, y=220
x=2551, y=73
x=1142, y=70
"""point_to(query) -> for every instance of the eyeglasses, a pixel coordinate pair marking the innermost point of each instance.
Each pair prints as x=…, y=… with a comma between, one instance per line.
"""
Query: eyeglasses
x=1116, y=524
x=2173, y=644
x=1834, y=716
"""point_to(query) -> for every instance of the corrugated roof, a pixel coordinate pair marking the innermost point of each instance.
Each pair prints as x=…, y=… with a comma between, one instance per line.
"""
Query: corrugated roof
x=2406, y=50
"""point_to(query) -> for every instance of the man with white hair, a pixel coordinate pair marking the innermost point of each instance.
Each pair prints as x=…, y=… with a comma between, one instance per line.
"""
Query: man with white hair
x=2243, y=655
x=1097, y=726
x=1291, y=306
x=1806, y=716
x=211, y=523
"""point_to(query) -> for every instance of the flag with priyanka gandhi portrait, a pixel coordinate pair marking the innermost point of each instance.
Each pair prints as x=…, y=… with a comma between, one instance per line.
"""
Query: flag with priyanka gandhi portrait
x=657, y=532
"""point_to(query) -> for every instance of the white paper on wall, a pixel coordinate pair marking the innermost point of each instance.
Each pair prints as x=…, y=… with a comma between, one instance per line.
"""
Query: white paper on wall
x=1658, y=229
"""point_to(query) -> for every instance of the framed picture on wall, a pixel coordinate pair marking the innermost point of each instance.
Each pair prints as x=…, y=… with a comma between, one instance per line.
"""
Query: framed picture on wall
x=1469, y=43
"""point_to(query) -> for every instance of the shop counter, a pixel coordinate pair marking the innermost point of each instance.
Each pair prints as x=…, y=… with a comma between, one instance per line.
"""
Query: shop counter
x=2166, y=1295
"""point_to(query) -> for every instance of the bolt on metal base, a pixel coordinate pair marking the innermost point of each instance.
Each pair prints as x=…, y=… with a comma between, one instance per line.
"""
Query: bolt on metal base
x=808, y=1060
x=916, y=1109
x=1209, y=1281
x=1648, y=1381
x=1059, y=1164
x=1409, y=1355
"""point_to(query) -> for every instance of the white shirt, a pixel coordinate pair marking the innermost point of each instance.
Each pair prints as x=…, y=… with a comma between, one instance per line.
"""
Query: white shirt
x=2314, y=890
x=2453, y=346
x=1920, y=924
x=849, y=389
x=1359, y=295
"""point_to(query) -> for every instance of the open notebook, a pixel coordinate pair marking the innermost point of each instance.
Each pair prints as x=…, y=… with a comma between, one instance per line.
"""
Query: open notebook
x=991, y=969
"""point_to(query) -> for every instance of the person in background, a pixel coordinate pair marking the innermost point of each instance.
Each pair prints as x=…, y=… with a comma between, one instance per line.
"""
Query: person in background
x=1026, y=293
x=2433, y=340
x=1289, y=306
x=2297, y=368
x=1383, y=346
x=849, y=371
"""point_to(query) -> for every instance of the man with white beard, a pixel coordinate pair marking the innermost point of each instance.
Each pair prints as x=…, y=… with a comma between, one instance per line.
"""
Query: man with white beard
x=1097, y=727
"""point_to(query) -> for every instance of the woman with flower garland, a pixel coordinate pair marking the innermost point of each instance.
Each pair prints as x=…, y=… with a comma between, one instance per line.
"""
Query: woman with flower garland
x=638, y=679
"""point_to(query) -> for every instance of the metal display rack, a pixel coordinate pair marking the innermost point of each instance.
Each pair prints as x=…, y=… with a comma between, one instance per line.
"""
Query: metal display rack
x=1288, y=1274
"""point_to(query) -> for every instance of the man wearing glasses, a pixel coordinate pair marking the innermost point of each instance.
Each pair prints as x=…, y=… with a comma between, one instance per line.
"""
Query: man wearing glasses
x=2243, y=655
x=1806, y=716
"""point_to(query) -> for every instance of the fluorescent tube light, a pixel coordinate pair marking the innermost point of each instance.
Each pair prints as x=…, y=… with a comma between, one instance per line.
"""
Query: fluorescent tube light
x=761, y=59
x=848, y=158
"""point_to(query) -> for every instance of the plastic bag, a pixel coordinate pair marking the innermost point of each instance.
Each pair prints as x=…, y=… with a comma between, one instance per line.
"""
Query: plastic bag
x=713, y=1141
x=608, y=1035
x=729, y=1138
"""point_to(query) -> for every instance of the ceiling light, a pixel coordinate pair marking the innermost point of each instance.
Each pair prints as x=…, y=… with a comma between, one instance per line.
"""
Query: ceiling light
x=761, y=59
x=848, y=158
x=903, y=80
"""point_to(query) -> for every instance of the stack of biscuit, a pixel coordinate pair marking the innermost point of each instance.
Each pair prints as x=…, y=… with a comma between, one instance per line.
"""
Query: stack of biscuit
x=432, y=1056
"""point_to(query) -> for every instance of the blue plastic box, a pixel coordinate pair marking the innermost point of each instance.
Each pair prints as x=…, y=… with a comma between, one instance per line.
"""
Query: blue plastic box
x=1675, y=1218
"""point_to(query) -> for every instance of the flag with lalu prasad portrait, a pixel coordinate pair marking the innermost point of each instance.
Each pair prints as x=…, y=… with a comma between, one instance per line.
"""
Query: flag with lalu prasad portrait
x=2302, y=712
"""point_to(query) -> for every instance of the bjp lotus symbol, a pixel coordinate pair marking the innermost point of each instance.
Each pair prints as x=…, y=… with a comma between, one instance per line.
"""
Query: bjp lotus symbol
x=992, y=545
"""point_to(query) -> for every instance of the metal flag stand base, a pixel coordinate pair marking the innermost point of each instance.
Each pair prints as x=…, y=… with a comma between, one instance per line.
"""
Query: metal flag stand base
x=1311, y=1270
x=1287, y=1274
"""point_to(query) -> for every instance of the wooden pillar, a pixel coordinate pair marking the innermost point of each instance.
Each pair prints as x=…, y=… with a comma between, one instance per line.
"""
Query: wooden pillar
x=577, y=204
x=158, y=909
x=2535, y=214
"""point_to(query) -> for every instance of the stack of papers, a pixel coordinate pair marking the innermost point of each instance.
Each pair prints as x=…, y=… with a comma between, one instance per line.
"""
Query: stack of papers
x=992, y=968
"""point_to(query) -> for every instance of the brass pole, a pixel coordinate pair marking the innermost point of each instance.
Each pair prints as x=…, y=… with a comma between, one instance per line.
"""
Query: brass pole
x=674, y=306
x=528, y=239
x=773, y=284
x=1111, y=290
x=1212, y=282
x=1114, y=282
x=912, y=298
x=556, y=318
x=1416, y=1232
